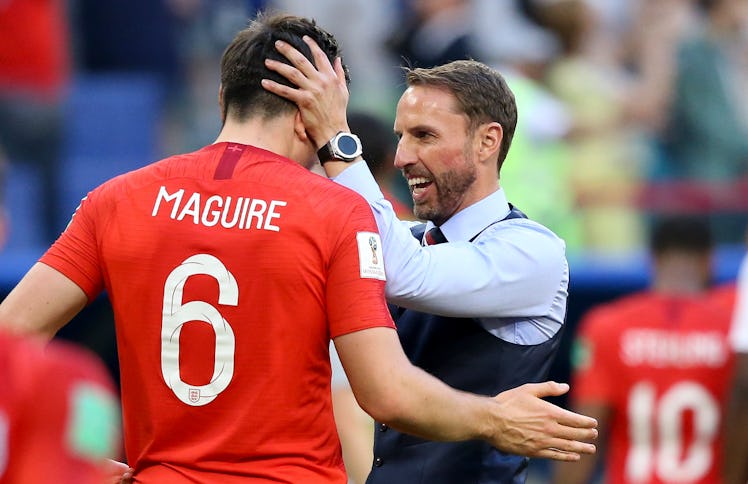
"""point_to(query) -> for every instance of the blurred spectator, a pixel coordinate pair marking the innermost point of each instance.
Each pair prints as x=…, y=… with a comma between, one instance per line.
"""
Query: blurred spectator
x=143, y=37
x=434, y=32
x=604, y=171
x=133, y=36
x=736, y=420
x=648, y=52
x=34, y=75
x=503, y=33
x=708, y=130
x=536, y=174
x=379, y=144
x=653, y=369
x=706, y=140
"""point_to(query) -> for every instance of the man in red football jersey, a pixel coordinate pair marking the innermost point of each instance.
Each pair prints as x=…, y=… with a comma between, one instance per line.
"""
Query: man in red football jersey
x=59, y=417
x=653, y=369
x=229, y=270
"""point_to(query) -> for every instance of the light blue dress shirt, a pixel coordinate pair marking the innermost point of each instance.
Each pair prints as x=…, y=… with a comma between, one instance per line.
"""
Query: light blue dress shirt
x=513, y=277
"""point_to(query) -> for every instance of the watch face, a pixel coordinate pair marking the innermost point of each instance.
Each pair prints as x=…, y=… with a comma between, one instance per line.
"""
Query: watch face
x=347, y=145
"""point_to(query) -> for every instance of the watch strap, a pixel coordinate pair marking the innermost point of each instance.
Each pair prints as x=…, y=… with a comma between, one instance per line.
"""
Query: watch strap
x=332, y=150
x=325, y=153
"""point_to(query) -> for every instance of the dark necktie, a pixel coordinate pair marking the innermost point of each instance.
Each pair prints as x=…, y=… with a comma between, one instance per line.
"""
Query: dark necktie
x=434, y=236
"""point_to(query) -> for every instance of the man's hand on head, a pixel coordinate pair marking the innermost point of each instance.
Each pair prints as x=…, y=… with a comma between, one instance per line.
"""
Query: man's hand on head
x=321, y=94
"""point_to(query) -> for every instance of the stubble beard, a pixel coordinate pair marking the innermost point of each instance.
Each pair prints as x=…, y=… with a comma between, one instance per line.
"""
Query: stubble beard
x=451, y=187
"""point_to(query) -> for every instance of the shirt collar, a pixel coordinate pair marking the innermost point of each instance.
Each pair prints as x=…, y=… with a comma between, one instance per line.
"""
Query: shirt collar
x=470, y=221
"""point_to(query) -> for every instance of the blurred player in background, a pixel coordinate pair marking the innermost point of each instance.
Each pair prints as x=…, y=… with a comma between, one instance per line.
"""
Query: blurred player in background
x=35, y=68
x=229, y=270
x=59, y=416
x=653, y=369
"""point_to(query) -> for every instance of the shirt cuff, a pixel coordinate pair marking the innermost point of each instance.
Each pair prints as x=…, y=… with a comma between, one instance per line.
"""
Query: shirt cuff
x=358, y=178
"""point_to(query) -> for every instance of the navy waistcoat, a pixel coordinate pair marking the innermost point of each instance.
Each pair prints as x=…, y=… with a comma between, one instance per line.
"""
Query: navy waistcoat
x=461, y=353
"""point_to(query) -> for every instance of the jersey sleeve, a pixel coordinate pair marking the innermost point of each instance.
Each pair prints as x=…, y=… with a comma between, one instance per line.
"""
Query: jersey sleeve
x=356, y=278
x=593, y=364
x=75, y=253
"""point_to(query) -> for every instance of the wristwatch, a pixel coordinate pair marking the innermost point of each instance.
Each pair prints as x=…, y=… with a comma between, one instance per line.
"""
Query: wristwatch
x=342, y=147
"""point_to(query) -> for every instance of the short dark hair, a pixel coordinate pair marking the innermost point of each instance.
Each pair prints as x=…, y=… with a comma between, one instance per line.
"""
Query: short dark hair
x=243, y=62
x=481, y=92
x=686, y=233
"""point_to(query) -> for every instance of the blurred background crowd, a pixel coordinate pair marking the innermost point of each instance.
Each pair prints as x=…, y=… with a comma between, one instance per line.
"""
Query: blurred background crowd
x=628, y=108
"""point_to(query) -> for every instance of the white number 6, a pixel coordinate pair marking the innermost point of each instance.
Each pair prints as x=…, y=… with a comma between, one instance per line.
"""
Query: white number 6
x=176, y=314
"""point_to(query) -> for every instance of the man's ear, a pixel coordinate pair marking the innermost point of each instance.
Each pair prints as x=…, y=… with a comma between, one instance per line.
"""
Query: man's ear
x=220, y=104
x=300, y=130
x=488, y=138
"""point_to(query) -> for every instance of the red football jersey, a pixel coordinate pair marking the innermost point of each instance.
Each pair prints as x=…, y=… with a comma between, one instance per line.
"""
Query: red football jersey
x=661, y=363
x=229, y=270
x=59, y=417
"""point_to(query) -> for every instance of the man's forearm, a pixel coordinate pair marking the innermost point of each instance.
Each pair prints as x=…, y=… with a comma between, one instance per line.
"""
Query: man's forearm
x=424, y=406
x=517, y=421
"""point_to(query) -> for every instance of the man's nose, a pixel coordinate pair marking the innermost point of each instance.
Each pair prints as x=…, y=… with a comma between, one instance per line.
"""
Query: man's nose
x=404, y=156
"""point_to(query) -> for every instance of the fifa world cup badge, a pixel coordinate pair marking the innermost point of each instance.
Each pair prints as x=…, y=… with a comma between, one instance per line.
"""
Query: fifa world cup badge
x=370, y=255
x=373, y=246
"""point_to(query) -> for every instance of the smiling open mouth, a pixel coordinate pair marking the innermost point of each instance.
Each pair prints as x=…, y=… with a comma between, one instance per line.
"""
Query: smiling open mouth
x=418, y=184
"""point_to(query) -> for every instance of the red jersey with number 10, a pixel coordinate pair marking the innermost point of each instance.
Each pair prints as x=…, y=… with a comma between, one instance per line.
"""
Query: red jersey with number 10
x=229, y=270
x=661, y=363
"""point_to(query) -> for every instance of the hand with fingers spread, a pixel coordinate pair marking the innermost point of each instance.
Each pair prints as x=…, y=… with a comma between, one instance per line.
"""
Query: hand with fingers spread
x=536, y=428
x=321, y=94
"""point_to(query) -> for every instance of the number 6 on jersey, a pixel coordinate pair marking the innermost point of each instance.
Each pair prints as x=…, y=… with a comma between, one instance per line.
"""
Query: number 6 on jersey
x=176, y=314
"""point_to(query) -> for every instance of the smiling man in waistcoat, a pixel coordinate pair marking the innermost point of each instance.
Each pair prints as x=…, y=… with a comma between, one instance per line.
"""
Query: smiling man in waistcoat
x=479, y=289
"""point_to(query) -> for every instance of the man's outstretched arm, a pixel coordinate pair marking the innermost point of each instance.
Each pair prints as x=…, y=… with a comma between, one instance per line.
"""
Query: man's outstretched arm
x=517, y=421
